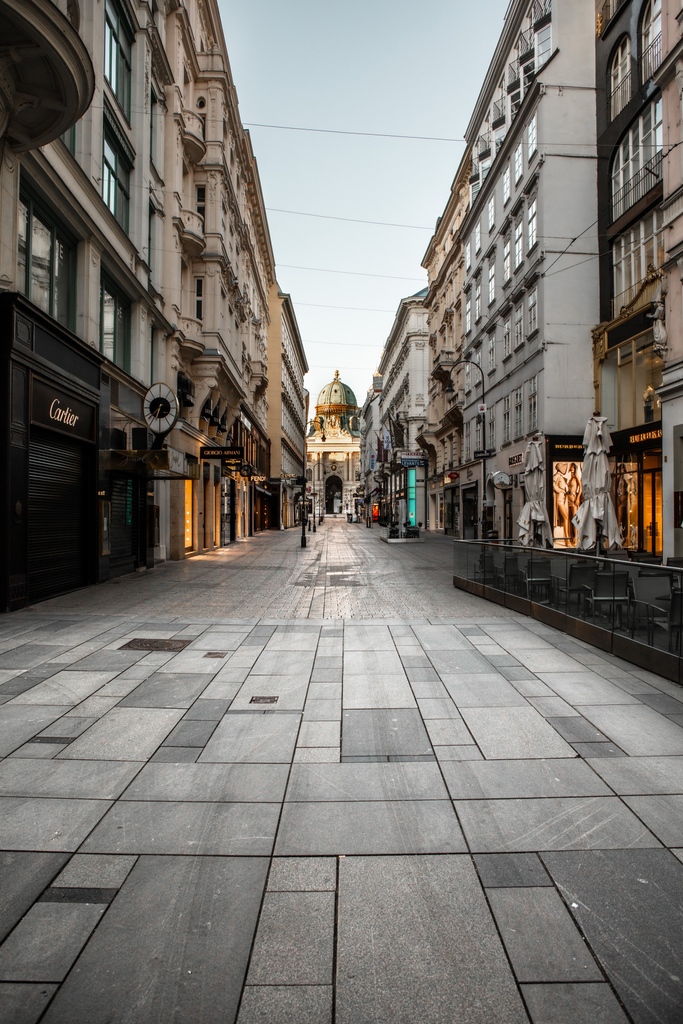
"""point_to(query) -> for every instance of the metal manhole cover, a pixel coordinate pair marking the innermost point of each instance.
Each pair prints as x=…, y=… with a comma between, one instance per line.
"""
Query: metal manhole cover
x=263, y=700
x=215, y=654
x=148, y=644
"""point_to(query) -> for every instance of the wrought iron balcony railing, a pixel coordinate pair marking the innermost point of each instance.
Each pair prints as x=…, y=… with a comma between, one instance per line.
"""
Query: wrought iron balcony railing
x=620, y=96
x=651, y=59
x=638, y=185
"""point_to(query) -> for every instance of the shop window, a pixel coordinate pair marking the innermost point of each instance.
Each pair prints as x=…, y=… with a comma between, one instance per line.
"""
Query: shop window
x=629, y=378
x=115, y=178
x=114, y=326
x=46, y=258
x=189, y=515
x=632, y=253
x=117, y=54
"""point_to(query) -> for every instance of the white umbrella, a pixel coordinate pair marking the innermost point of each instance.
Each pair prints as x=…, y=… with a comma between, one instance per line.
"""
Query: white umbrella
x=596, y=517
x=534, y=526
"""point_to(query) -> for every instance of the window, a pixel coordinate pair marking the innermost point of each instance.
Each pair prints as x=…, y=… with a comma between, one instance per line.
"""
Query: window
x=477, y=300
x=468, y=313
x=114, y=326
x=531, y=137
x=519, y=163
x=543, y=45
x=532, y=311
x=492, y=281
x=467, y=441
x=533, y=403
x=651, y=40
x=629, y=377
x=507, y=268
x=153, y=119
x=519, y=412
x=637, y=164
x=518, y=243
x=115, y=179
x=46, y=258
x=492, y=211
x=506, y=185
x=477, y=433
x=468, y=255
x=507, y=337
x=492, y=351
x=531, y=224
x=477, y=237
x=620, y=78
x=491, y=427
x=468, y=375
x=117, y=44
x=200, y=204
x=632, y=253
x=506, y=419
x=199, y=298
x=518, y=336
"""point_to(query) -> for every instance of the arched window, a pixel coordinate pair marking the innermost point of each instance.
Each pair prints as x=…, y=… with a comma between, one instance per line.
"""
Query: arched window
x=637, y=164
x=651, y=40
x=620, y=78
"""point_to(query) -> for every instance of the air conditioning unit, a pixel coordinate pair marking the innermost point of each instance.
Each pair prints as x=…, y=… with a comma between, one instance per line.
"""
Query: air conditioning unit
x=141, y=439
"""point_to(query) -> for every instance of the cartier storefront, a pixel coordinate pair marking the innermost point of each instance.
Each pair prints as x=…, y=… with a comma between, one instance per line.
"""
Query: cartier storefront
x=50, y=394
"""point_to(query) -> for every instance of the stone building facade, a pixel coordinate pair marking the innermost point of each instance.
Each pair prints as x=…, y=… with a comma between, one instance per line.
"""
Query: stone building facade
x=333, y=469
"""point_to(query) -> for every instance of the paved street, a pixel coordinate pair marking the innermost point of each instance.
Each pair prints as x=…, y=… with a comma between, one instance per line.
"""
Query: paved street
x=285, y=786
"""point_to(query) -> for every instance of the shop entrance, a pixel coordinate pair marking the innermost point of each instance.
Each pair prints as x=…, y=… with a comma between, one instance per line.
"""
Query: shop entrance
x=333, y=495
x=470, y=505
x=652, y=504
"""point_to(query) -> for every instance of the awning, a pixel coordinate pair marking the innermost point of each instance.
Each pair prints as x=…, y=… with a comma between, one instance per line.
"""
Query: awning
x=160, y=463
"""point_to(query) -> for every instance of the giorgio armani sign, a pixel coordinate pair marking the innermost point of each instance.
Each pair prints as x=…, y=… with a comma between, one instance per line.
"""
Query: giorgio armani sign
x=52, y=408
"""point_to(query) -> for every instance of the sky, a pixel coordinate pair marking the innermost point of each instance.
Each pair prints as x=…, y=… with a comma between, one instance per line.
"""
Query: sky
x=390, y=67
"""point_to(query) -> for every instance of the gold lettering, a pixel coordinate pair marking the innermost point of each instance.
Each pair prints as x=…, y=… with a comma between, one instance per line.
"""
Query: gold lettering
x=60, y=415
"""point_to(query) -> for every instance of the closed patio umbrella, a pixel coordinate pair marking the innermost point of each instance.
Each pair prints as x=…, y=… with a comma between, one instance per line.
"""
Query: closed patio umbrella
x=534, y=526
x=596, y=517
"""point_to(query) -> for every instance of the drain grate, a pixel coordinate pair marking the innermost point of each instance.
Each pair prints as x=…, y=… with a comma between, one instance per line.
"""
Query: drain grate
x=215, y=654
x=142, y=643
x=263, y=700
x=51, y=739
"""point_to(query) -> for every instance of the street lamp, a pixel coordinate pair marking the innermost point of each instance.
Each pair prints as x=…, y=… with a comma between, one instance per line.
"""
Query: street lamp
x=450, y=390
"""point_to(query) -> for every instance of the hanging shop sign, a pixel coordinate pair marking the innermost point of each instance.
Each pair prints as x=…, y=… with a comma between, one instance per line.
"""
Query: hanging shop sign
x=412, y=460
x=226, y=455
x=52, y=408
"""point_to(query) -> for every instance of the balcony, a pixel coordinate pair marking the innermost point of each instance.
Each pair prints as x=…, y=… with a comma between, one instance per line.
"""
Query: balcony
x=620, y=96
x=193, y=136
x=651, y=59
x=609, y=9
x=498, y=114
x=513, y=76
x=190, y=331
x=47, y=77
x=526, y=46
x=542, y=12
x=637, y=186
x=191, y=229
x=484, y=146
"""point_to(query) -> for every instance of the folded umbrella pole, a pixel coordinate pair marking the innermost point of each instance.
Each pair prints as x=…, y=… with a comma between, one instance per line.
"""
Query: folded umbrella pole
x=533, y=522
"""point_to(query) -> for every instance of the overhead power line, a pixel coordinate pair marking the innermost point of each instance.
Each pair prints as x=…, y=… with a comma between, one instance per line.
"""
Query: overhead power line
x=352, y=273
x=351, y=220
x=361, y=309
x=337, y=131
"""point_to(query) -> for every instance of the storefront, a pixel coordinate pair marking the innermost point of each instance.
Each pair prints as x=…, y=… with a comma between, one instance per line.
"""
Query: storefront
x=563, y=488
x=50, y=386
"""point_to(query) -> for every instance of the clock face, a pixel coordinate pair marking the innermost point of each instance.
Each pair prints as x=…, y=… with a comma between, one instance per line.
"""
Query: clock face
x=160, y=408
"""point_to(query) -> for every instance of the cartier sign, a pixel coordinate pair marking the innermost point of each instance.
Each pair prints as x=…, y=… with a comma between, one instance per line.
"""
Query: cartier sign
x=52, y=408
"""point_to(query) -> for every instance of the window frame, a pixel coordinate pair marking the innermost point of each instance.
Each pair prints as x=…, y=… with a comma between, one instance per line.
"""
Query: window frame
x=59, y=236
x=116, y=178
x=121, y=346
x=117, y=64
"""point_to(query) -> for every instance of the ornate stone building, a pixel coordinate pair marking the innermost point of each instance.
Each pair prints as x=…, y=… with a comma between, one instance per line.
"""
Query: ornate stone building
x=333, y=449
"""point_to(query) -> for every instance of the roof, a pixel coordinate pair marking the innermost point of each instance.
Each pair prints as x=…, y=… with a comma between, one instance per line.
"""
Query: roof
x=336, y=393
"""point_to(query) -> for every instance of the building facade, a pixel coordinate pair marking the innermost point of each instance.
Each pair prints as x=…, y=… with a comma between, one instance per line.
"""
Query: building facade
x=333, y=468
x=369, y=448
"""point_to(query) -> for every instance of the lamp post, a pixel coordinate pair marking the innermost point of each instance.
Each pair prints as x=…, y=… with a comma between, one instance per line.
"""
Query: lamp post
x=450, y=390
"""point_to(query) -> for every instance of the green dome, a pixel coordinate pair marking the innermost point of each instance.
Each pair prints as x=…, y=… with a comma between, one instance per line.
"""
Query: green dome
x=336, y=393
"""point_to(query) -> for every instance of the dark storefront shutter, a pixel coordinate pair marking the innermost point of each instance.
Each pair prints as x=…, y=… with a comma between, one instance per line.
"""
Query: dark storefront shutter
x=124, y=523
x=57, y=515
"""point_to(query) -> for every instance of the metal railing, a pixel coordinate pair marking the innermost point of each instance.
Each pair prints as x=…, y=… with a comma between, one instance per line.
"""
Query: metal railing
x=651, y=59
x=542, y=9
x=609, y=9
x=513, y=74
x=498, y=112
x=484, y=144
x=620, y=96
x=632, y=608
x=525, y=47
x=638, y=185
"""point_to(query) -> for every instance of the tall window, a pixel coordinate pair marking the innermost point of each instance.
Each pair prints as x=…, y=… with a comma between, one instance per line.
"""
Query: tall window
x=468, y=255
x=531, y=137
x=543, y=45
x=620, y=78
x=467, y=441
x=492, y=351
x=492, y=280
x=637, y=164
x=468, y=313
x=519, y=412
x=506, y=185
x=533, y=403
x=477, y=299
x=492, y=212
x=200, y=204
x=519, y=163
x=477, y=237
x=507, y=337
x=114, y=326
x=531, y=224
x=506, y=419
x=199, y=298
x=519, y=326
x=117, y=45
x=45, y=261
x=651, y=39
x=632, y=253
x=115, y=179
x=507, y=266
x=532, y=310
x=491, y=427
x=518, y=243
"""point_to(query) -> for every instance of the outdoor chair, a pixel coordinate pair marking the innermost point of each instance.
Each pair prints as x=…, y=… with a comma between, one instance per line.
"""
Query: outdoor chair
x=608, y=594
x=537, y=578
x=670, y=620
x=573, y=585
x=507, y=574
x=648, y=593
x=484, y=567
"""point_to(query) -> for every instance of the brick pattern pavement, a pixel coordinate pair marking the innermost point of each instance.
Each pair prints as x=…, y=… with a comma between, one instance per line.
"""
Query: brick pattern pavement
x=351, y=794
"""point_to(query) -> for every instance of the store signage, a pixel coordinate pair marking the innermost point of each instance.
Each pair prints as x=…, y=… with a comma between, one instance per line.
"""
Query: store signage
x=58, y=411
x=645, y=435
x=409, y=460
x=516, y=460
x=480, y=453
x=226, y=455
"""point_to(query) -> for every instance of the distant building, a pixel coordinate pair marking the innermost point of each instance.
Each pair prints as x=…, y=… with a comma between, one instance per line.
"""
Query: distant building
x=333, y=450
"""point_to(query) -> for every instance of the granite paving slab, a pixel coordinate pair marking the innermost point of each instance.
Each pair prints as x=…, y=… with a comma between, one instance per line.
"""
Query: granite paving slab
x=642, y=775
x=586, y=688
x=220, y=783
x=511, y=870
x=638, y=730
x=64, y=688
x=368, y=638
x=94, y=871
x=663, y=815
x=284, y=663
x=376, y=692
x=24, y=1003
x=434, y=708
x=28, y=655
x=482, y=691
x=207, y=710
x=384, y=827
x=459, y=752
x=430, y=690
x=552, y=823
x=284, y=1004
x=576, y=729
x=395, y=731
x=662, y=702
x=68, y=727
x=578, y=1004
x=396, y=780
x=517, y=779
x=322, y=710
x=124, y=734
x=253, y=738
x=400, y=954
x=552, y=707
x=45, y=943
x=294, y=942
x=289, y=690
x=190, y=734
x=316, y=755
x=540, y=937
x=445, y=732
x=19, y=723
x=37, y=823
x=24, y=876
x=441, y=638
x=83, y=780
x=186, y=957
x=460, y=663
x=627, y=903
x=167, y=690
x=105, y=661
x=507, y=733
x=319, y=734
x=302, y=874
x=175, y=827
x=93, y=707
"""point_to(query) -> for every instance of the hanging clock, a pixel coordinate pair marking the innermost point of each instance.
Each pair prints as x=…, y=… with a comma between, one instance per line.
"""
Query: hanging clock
x=160, y=408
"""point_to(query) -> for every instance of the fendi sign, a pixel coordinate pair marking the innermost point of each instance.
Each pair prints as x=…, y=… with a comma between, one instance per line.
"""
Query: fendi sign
x=52, y=408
